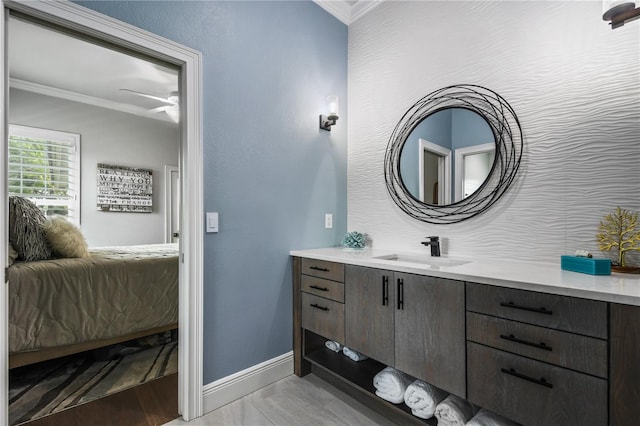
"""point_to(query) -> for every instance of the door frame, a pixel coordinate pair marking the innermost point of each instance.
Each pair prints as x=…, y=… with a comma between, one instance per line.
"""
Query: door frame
x=444, y=170
x=168, y=202
x=86, y=21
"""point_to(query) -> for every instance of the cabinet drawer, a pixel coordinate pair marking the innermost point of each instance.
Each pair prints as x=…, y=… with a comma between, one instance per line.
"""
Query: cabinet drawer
x=582, y=353
x=323, y=316
x=565, y=313
x=323, y=269
x=534, y=393
x=324, y=288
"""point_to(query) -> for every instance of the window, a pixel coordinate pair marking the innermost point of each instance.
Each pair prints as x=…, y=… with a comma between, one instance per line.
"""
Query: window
x=44, y=166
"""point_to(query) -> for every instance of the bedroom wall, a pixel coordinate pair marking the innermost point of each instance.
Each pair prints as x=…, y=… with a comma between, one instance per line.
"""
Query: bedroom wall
x=573, y=82
x=269, y=171
x=111, y=137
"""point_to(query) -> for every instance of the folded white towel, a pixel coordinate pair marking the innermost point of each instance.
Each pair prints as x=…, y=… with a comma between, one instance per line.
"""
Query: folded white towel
x=489, y=418
x=454, y=411
x=423, y=398
x=333, y=345
x=391, y=384
x=355, y=356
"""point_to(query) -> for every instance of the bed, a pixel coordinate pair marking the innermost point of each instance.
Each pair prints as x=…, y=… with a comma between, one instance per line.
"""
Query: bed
x=62, y=306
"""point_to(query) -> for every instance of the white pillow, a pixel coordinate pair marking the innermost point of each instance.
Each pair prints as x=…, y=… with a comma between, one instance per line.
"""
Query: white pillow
x=65, y=238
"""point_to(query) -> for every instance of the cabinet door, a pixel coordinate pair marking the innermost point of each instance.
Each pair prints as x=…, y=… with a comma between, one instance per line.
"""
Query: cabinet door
x=624, y=385
x=430, y=330
x=369, y=309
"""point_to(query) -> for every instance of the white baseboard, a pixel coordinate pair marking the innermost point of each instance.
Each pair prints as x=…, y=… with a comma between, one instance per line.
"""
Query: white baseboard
x=228, y=389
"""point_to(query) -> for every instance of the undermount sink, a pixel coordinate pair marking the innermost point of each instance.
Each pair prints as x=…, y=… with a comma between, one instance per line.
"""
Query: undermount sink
x=423, y=260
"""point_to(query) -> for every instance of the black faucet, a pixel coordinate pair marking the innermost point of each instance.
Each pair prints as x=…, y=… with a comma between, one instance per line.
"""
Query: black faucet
x=434, y=242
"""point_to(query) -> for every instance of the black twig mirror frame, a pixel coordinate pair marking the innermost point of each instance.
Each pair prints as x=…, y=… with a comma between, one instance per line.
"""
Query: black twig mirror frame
x=507, y=133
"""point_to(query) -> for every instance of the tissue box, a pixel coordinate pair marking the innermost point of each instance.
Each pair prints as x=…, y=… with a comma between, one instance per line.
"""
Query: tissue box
x=586, y=265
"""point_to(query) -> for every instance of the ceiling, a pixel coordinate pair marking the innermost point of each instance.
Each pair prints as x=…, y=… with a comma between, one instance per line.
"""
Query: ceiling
x=53, y=63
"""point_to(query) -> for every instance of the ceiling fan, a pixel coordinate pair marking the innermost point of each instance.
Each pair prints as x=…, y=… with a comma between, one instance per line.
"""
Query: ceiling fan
x=172, y=108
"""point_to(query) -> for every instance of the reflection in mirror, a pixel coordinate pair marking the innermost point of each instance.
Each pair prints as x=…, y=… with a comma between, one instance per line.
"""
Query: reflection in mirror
x=426, y=167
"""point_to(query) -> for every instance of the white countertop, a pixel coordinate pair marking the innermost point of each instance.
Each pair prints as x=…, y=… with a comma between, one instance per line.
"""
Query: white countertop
x=543, y=277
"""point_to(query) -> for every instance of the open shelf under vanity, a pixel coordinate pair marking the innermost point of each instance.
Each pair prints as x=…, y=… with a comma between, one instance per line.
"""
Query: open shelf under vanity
x=355, y=379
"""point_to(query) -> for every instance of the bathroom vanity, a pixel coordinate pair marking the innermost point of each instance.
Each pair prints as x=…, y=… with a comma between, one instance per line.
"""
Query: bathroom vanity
x=530, y=341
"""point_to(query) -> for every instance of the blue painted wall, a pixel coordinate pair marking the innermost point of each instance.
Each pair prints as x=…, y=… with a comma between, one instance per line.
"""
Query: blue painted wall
x=268, y=169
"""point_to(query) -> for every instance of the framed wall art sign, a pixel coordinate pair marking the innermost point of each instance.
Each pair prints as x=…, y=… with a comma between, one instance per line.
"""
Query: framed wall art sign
x=124, y=189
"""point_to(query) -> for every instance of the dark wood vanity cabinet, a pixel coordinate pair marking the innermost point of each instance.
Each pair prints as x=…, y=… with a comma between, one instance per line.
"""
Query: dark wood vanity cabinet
x=536, y=358
x=412, y=322
x=624, y=376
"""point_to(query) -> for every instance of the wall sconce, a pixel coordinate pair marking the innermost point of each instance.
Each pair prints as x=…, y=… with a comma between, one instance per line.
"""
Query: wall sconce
x=618, y=12
x=326, y=121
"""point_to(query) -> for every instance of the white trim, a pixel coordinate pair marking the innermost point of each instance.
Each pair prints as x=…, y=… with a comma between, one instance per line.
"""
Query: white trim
x=459, y=155
x=168, y=202
x=344, y=12
x=228, y=389
x=83, y=20
x=41, y=89
x=363, y=7
x=444, y=172
x=4, y=293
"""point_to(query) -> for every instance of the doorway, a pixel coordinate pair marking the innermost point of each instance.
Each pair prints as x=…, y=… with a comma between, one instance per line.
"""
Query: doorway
x=77, y=19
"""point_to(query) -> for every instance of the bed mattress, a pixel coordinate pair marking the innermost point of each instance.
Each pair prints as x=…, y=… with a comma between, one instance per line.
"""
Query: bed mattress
x=115, y=291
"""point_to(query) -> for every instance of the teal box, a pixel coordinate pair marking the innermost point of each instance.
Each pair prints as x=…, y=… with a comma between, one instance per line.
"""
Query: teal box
x=586, y=265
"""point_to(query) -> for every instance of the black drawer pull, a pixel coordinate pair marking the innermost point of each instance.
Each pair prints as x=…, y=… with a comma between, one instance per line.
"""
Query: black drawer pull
x=400, y=294
x=526, y=308
x=513, y=338
x=315, y=305
x=541, y=381
x=317, y=268
x=319, y=288
x=385, y=290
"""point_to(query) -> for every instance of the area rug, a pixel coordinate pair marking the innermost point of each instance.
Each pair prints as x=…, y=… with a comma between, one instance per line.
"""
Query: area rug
x=52, y=386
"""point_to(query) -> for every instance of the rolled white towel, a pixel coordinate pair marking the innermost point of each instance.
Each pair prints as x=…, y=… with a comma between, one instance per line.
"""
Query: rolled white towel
x=391, y=384
x=333, y=345
x=489, y=418
x=355, y=356
x=423, y=398
x=454, y=411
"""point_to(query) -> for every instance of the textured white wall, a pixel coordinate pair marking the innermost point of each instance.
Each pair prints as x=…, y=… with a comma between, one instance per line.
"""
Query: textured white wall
x=573, y=82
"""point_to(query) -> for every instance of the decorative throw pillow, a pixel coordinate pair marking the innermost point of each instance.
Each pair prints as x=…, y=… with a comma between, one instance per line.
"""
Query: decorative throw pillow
x=13, y=254
x=25, y=232
x=65, y=238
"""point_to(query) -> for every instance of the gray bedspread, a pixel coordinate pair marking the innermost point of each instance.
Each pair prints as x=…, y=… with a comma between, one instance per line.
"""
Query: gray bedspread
x=116, y=291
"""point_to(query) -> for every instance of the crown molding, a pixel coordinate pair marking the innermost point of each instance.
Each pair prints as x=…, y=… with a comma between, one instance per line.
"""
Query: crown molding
x=346, y=13
x=42, y=89
x=361, y=8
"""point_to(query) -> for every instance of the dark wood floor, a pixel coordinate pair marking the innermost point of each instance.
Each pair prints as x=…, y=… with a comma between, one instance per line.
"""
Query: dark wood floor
x=153, y=403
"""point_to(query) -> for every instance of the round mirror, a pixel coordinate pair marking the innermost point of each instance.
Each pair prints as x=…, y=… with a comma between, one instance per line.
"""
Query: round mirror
x=453, y=154
x=447, y=157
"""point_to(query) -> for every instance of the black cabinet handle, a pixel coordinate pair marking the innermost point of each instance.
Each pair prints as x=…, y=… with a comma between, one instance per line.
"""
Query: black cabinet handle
x=526, y=308
x=541, y=381
x=385, y=290
x=513, y=338
x=400, y=294
x=317, y=268
x=319, y=288
x=315, y=305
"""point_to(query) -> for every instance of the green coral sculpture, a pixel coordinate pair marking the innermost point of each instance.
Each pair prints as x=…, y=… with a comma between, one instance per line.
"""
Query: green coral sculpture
x=354, y=240
x=619, y=231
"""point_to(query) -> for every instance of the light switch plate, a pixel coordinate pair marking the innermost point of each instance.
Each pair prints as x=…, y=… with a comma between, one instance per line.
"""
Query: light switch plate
x=212, y=222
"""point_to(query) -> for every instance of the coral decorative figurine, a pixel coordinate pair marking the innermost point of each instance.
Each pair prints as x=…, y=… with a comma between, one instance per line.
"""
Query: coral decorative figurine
x=354, y=240
x=619, y=231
